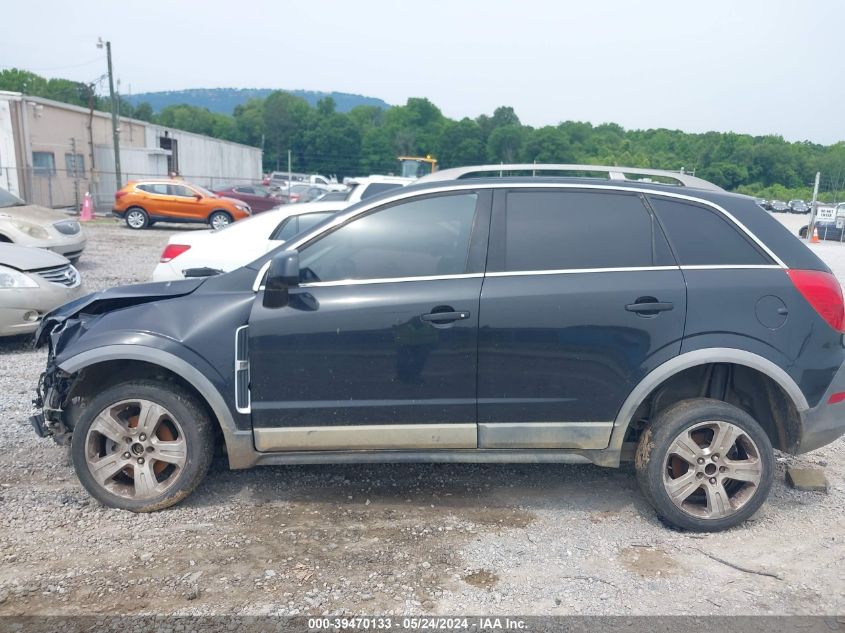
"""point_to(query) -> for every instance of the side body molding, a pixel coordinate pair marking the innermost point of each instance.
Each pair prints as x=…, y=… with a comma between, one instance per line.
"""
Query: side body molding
x=692, y=359
x=239, y=445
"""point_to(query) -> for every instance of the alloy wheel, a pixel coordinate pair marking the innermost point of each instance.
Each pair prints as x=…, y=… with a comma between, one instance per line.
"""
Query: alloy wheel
x=219, y=221
x=135, y=219
x=136, y=449
x=712, y=470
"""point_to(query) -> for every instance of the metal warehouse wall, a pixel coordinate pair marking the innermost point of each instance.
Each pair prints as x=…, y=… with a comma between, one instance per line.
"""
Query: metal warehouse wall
x=207, y=161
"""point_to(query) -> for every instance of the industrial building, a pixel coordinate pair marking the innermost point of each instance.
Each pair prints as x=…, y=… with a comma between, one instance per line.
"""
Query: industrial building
x=51, y=153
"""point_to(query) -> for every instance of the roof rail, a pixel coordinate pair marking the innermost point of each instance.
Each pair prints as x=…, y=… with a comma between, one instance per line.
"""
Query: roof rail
x=613, y=173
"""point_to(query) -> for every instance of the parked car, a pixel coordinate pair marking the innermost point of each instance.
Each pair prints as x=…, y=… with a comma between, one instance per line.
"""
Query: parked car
x=332, y=196
x=368, y=339
x=826, y=230
x=280, y=179
x=305, y=193
x=779, y=206
x=141, y=204
x=257, y=197
x=33, y=282
x=798, y=206
x=763, y=203
x=364, y=188
x=211, y=252
x=32, y=225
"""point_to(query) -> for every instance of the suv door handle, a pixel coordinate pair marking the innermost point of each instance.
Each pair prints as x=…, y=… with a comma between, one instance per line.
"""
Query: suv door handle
x=444, y=317
x=649, y=306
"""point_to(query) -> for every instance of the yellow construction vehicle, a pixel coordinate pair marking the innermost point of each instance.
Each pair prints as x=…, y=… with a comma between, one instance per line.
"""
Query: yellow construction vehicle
x=417, y=167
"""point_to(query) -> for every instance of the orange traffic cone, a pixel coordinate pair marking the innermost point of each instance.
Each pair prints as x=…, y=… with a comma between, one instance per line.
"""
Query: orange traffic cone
x=87, y=212
x=815, y=238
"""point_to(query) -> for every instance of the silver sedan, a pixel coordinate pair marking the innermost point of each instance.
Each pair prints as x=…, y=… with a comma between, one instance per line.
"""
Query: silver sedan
x=31, y=225
x=32, y=282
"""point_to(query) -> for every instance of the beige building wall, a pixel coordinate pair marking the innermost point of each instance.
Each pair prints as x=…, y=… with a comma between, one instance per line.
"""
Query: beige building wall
x=62, y=151
x=53, y=130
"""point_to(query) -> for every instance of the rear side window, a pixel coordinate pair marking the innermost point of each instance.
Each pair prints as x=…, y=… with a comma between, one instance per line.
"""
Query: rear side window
x=564, y=230
x=702, y=236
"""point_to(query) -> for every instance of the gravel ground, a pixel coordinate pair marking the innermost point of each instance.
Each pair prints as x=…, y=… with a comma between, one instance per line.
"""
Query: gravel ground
x=390, y=538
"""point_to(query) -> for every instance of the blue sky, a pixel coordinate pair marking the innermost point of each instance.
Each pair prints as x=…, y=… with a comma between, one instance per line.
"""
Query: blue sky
x=762, y=67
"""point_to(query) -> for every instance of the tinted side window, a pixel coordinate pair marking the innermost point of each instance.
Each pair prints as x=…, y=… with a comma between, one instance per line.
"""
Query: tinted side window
x=378, y=187
x=412, y=239
x=702, y=236
x=561, y=230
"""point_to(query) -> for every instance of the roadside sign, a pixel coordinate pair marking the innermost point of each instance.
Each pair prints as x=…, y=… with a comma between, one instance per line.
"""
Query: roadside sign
x=827, y=213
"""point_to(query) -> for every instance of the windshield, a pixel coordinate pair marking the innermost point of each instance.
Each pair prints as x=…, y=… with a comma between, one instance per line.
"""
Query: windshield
x=9, y=200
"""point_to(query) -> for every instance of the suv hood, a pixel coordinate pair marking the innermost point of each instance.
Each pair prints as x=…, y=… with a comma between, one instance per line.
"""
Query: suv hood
x=113, y=299
x=28, y=258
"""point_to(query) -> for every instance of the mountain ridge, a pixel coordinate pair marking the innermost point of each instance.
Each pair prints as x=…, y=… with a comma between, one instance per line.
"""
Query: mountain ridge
x=225, y=100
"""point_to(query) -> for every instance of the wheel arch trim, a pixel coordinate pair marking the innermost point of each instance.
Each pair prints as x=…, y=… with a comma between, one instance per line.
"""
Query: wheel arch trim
x=238, y=442
x=692, y=359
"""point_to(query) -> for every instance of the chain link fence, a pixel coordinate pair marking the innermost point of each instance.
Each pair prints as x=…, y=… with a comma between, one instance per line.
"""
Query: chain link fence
x=66, y=188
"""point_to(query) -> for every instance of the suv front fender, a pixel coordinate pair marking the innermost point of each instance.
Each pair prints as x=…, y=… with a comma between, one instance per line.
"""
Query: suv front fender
x=238, y=442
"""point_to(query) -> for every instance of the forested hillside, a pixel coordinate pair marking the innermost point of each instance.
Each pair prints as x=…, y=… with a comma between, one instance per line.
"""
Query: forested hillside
x=225, y=100
x=368, y=138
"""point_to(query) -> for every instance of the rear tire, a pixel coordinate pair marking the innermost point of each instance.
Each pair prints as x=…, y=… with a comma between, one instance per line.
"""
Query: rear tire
x=142, y=445
x=136, y=218
x=704, y=465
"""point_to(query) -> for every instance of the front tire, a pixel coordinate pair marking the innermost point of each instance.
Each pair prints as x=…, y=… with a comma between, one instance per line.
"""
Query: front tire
x=704, y=465
x=142, y=445
x=136, y=218
x=219, y=219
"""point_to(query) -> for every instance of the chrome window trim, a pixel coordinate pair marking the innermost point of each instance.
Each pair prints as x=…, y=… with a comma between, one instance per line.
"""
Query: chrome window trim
x=526, y=273
x=578, y=271
x=388, y=280
x=403, y=194
x=731, y=267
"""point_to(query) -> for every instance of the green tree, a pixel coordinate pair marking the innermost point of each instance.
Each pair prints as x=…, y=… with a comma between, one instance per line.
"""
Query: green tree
x=460, y=143
x=505, y=144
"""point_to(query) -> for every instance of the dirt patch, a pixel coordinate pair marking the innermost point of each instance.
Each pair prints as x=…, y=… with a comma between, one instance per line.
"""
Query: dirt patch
x=649, y=562
x=483, y=579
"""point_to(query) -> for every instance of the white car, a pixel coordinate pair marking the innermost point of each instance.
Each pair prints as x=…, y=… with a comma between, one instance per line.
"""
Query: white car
x=369, y=186
x=240, y=242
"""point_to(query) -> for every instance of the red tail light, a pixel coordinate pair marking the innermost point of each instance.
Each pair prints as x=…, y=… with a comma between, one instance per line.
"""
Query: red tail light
x=120, y=194
x=824, y=293
x=172, y=251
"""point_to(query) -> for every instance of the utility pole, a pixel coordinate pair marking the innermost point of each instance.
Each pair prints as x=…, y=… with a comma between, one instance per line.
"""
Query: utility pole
x=75, y=168
x=114, y=128
x=812, y=225
x=290, y=176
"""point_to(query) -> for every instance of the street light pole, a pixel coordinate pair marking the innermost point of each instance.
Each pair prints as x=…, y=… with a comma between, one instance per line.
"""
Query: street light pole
x=114, y=123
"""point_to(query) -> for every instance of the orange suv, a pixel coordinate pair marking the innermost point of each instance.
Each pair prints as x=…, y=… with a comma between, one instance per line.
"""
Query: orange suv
x=145, y=202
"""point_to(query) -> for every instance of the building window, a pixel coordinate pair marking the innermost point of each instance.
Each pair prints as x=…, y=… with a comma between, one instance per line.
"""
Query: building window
x=44, y=162
x=75, y=165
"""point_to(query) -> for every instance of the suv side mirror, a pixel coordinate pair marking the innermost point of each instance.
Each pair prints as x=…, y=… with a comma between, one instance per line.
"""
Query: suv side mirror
x=283, y=273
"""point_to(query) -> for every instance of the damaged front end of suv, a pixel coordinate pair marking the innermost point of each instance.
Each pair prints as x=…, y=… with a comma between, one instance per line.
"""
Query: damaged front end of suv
x=62, y=328
x=130, y=332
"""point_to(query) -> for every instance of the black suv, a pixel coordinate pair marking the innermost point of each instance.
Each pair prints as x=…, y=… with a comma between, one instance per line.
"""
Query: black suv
x=472, y=319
